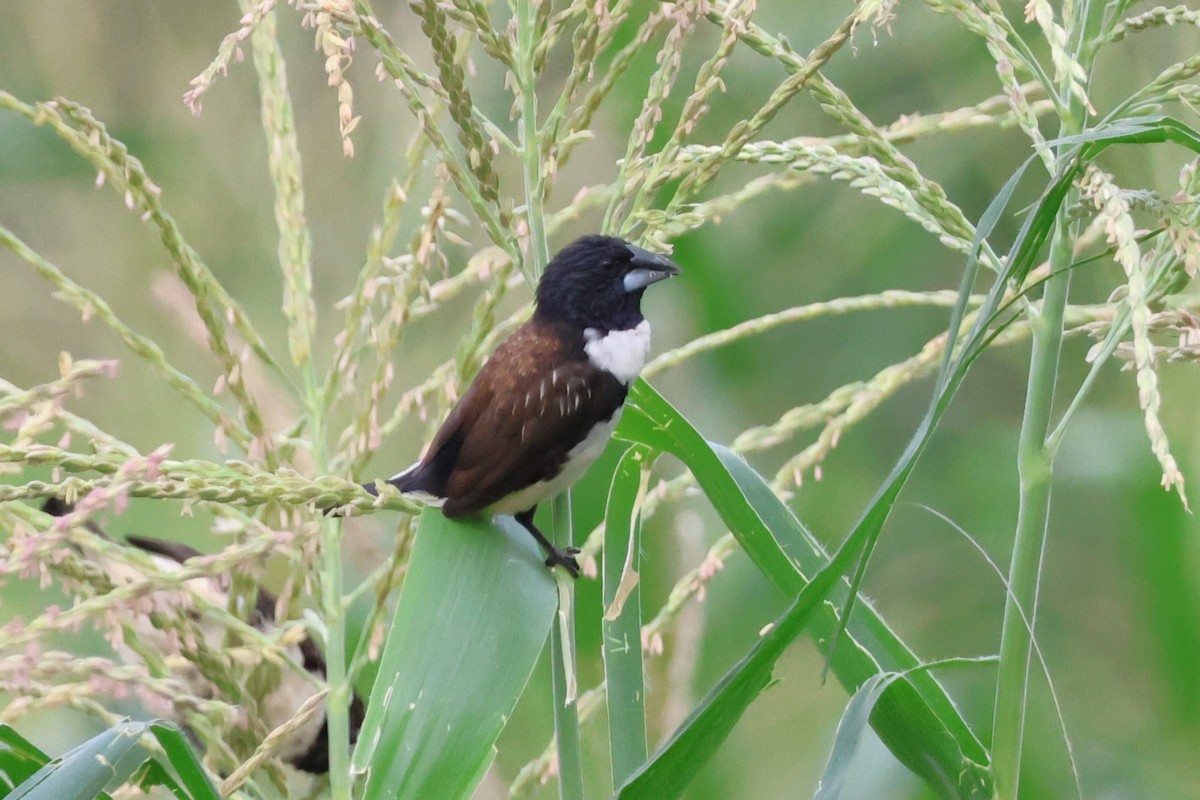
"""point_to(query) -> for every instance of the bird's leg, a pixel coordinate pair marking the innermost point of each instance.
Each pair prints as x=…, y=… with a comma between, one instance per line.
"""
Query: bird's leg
x=555, y=556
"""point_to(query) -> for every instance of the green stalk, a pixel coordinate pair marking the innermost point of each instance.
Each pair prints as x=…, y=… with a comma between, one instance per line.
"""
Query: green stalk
x=1035, y=465
x=338, y=702
x=562, y=667
x=562, y=650
x=531, y=151
x=333, y=608
x=1036, y=451
x=333, y=604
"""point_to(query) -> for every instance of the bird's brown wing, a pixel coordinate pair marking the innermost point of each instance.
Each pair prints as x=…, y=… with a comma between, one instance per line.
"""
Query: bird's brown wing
x=525, y=411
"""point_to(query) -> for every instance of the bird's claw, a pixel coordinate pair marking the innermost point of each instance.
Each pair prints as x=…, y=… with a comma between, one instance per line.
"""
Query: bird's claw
x=564, y=557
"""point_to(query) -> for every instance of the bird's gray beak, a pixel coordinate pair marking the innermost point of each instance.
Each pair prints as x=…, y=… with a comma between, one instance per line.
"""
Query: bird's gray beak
x=648, y=268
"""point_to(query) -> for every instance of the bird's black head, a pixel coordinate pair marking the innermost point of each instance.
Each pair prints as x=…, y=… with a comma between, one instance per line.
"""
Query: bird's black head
x=597, y=282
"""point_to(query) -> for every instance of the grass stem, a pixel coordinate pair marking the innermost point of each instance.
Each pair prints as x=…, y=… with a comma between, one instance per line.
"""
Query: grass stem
x=1035, y=467
x=1037, y=447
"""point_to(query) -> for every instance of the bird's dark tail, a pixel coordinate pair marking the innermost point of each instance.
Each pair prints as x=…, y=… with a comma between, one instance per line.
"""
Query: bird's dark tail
x=413, y=479
x=409, y=480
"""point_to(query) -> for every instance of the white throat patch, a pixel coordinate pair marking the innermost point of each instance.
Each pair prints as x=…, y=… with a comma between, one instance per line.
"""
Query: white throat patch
x=623, y=353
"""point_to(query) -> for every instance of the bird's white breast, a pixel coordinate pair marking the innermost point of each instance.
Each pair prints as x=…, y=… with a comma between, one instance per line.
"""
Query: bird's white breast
x=623, y=353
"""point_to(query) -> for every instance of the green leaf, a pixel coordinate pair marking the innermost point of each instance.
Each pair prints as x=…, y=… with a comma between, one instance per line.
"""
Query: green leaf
x=152, y=773
x=1134, y=130
x=916, y=718
x=83, y=772
x=1035, y=228
x=652, y=421
x=622, y=624
x=860, y=709
x=182, y=758
x=987, y=223
x=473, y=616
x=673, y=767
x=19, y=759
x=1022, y=256
x=850, y=730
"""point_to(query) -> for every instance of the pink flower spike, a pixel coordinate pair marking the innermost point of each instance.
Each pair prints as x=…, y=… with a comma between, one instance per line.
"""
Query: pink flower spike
x=154, y=460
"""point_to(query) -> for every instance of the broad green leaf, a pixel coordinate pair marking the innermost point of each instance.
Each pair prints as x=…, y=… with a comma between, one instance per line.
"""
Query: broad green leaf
x=182, y=759
x=473, y=615
x=652, y=421
x=83, y=772
x=916, y=718
x=19, y=759
x=622, y=624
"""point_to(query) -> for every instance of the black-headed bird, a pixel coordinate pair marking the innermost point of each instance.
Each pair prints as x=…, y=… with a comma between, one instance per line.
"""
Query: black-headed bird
x=545, y=404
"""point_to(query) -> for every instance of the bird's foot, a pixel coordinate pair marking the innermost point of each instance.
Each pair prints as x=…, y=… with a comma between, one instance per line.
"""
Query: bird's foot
x=564, y=557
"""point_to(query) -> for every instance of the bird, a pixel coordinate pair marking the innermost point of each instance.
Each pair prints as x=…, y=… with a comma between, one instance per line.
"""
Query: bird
x=545, y=404
x=307, y=748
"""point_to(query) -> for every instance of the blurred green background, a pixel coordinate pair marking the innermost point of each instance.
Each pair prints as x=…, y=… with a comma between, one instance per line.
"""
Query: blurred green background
x=1119, y=622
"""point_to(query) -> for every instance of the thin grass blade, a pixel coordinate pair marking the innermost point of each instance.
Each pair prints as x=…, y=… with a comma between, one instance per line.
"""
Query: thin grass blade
x=1036, y=227
x=1136, y=130
x=987, y=224
x=850, y=731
